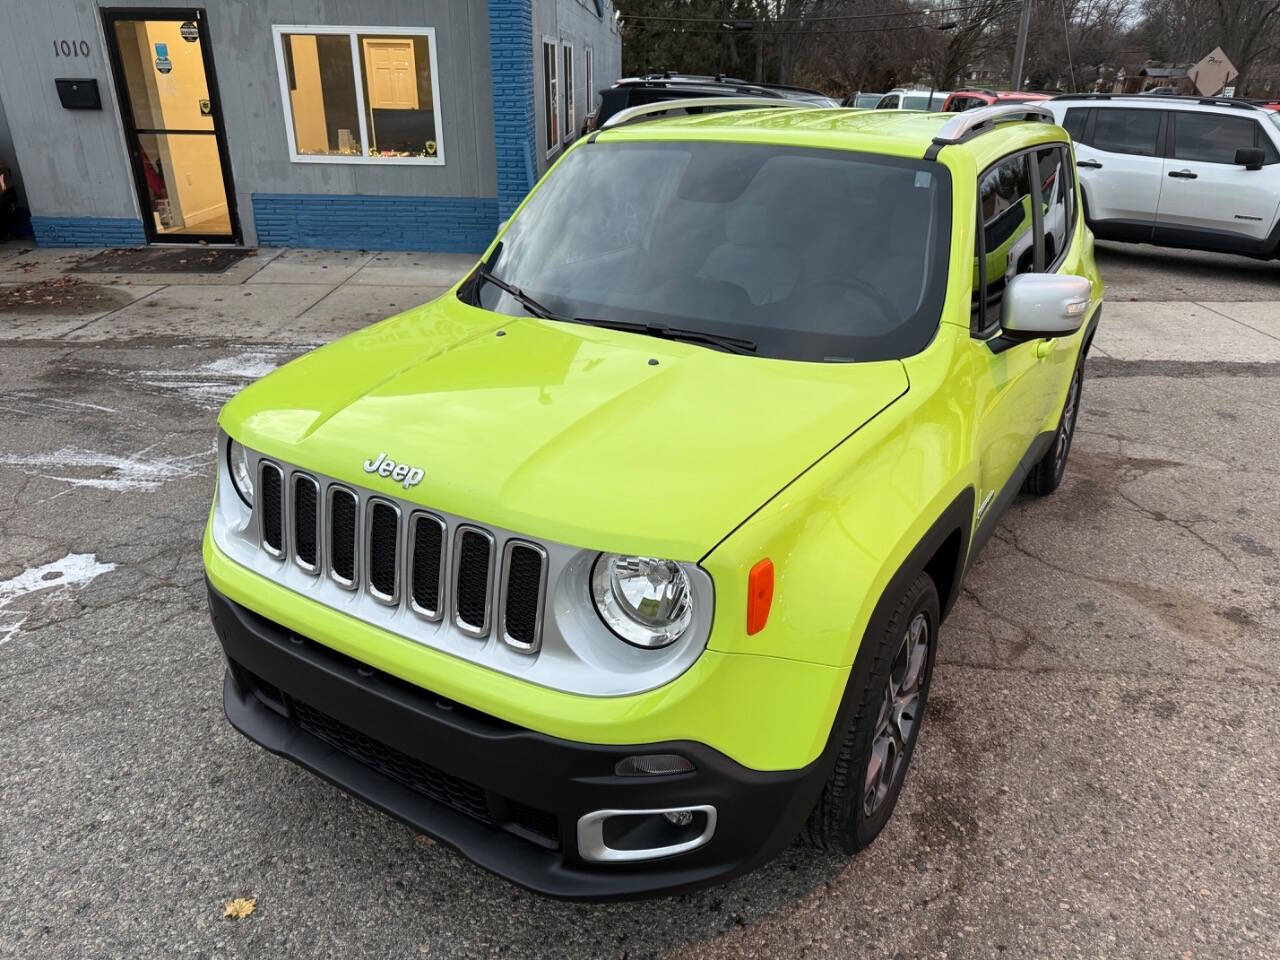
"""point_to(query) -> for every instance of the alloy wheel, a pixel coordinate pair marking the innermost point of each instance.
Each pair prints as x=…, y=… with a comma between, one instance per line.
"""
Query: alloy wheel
x=899, y=715
x=1066, y=429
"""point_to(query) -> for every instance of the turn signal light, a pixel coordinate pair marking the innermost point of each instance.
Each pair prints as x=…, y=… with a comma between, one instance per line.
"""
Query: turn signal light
x=759, y=595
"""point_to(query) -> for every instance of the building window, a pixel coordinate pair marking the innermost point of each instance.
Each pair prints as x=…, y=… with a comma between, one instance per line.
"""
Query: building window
x=589, y=75
x=551, y=95
x=570, y=108
x=359, y=94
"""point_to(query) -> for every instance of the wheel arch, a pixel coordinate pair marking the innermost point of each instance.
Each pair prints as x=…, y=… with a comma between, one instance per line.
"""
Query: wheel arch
x=942, y=554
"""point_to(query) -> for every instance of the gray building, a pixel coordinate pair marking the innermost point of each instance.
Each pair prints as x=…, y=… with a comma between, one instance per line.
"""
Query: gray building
x=387, y=124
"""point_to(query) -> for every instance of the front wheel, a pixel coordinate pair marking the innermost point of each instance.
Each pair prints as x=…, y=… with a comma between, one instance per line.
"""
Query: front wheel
x=863, y=789
x=1047, y=473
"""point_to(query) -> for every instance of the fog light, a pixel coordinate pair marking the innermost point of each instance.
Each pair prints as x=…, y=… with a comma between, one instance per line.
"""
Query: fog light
x=653, y=765
x=679, y=818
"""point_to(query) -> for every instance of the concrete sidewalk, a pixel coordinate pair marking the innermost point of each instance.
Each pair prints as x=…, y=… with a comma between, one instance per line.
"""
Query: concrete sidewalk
x=303, y=297
x=272, y=296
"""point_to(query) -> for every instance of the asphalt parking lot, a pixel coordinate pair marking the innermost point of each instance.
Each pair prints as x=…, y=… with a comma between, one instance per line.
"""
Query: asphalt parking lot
x=1098, y=773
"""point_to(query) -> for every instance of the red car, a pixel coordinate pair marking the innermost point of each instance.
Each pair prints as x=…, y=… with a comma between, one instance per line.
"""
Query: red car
x=972, y=99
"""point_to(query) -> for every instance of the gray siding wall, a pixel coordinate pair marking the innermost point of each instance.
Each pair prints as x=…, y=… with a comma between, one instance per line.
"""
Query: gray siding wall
x=74, y=161
x=574, y=22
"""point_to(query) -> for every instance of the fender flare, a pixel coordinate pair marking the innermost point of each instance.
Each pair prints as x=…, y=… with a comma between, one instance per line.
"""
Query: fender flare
x=957, y=517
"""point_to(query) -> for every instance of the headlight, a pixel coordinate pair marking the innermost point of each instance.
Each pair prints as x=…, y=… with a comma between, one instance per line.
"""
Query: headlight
x=241, y=475
x=645, y=601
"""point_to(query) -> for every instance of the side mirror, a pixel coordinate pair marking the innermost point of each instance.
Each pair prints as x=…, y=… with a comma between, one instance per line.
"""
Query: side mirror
x=1045, y=305
x=1250, y=157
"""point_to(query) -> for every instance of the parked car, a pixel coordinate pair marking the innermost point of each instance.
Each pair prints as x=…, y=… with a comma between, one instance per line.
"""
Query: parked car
x=1200, y=173
x=634, y=91
x=902, y=98
x=971, y=99
x=623, y=563
x=862, y=101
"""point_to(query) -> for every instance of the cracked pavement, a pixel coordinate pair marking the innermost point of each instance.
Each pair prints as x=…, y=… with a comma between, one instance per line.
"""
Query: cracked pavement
x=1098, y=772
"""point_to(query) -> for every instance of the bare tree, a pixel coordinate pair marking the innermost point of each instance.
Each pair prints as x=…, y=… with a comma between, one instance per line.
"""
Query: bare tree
x=962, y=31
x=1247, y=30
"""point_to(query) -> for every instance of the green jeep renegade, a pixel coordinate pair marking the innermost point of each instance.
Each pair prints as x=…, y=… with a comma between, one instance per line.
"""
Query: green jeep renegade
x=623, y=563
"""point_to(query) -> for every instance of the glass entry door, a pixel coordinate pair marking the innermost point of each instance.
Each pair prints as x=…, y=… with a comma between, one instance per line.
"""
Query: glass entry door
x=173, y=124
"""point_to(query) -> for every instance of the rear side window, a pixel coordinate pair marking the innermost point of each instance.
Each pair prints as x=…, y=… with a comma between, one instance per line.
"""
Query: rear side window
x=1056, y=198
x=1135, y=132
x=1215, y=138
x=1008, y=236
x=1075, y=121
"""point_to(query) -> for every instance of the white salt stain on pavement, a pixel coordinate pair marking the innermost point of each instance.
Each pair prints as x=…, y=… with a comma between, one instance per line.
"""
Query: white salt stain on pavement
x=212, y=384
x=108, y=471
x=72, y=571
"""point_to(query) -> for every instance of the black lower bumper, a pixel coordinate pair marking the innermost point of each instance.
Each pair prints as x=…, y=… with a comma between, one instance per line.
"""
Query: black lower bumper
x=506, y=797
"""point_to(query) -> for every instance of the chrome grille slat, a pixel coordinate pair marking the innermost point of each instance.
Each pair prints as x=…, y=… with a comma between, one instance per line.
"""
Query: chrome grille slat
x=304, y=523
x=472, y=580
x=382, y=550
x=425, y=564
x=342, y=508
x=524, y=590
x=271, y=511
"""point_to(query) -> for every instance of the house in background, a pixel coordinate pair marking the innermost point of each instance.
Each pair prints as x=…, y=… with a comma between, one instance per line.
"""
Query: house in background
x=387, y=124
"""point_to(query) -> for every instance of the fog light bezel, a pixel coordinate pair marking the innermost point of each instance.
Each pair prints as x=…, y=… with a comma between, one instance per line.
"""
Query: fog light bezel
x=592, y=846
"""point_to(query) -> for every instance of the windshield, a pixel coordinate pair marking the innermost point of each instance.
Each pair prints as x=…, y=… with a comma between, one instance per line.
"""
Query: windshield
x=811, y=254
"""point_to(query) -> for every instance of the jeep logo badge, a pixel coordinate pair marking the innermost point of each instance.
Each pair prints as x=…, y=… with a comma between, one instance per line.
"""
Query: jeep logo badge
x=384, y=466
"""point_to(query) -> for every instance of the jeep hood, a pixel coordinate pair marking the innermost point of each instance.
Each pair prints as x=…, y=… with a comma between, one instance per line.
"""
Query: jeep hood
x=561, y=431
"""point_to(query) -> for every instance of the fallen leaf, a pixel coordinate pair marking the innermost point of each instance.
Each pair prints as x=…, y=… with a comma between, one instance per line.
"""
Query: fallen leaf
x=423, y=840
x=240, y=907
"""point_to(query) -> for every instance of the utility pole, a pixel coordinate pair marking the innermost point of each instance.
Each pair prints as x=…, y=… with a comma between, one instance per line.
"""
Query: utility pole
x=1020, y=48
x=760, y=50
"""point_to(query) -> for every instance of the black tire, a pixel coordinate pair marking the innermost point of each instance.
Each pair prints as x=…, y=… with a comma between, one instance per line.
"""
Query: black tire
x=1047, y=473
x=845, y=818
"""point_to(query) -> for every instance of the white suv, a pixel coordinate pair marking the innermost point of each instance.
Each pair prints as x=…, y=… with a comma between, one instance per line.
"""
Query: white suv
x=1202, y=173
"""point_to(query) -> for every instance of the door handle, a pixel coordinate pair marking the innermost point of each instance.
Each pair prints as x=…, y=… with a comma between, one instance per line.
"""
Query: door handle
x=1091, y=164
x=1183, y=174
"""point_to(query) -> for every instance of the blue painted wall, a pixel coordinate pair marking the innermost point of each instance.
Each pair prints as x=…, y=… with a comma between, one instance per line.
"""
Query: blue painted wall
x=88, y=231
x=511, y=55
x=445, y=224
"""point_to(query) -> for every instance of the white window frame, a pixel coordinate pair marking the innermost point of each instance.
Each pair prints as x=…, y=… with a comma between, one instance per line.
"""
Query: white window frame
x=553, y=144
x=279, y=30
x=589, y=77
x=568, y=75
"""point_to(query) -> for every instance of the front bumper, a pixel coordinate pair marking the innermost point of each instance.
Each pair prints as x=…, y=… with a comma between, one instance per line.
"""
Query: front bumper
x=506, y=797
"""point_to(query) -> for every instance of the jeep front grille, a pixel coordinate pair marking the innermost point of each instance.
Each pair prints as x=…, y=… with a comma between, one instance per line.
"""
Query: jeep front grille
x=367, y=543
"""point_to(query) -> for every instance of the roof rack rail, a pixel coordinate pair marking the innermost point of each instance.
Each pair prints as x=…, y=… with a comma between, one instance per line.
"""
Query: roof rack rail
x=698, y=104
x=1241, y=103
x=971, y=123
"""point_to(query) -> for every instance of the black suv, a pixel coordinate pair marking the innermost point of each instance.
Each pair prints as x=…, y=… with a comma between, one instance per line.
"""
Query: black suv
x=655, y=87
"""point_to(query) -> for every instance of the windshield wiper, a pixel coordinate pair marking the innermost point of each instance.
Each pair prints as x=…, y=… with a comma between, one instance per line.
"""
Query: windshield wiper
x=663, y=332
x=485, y=274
